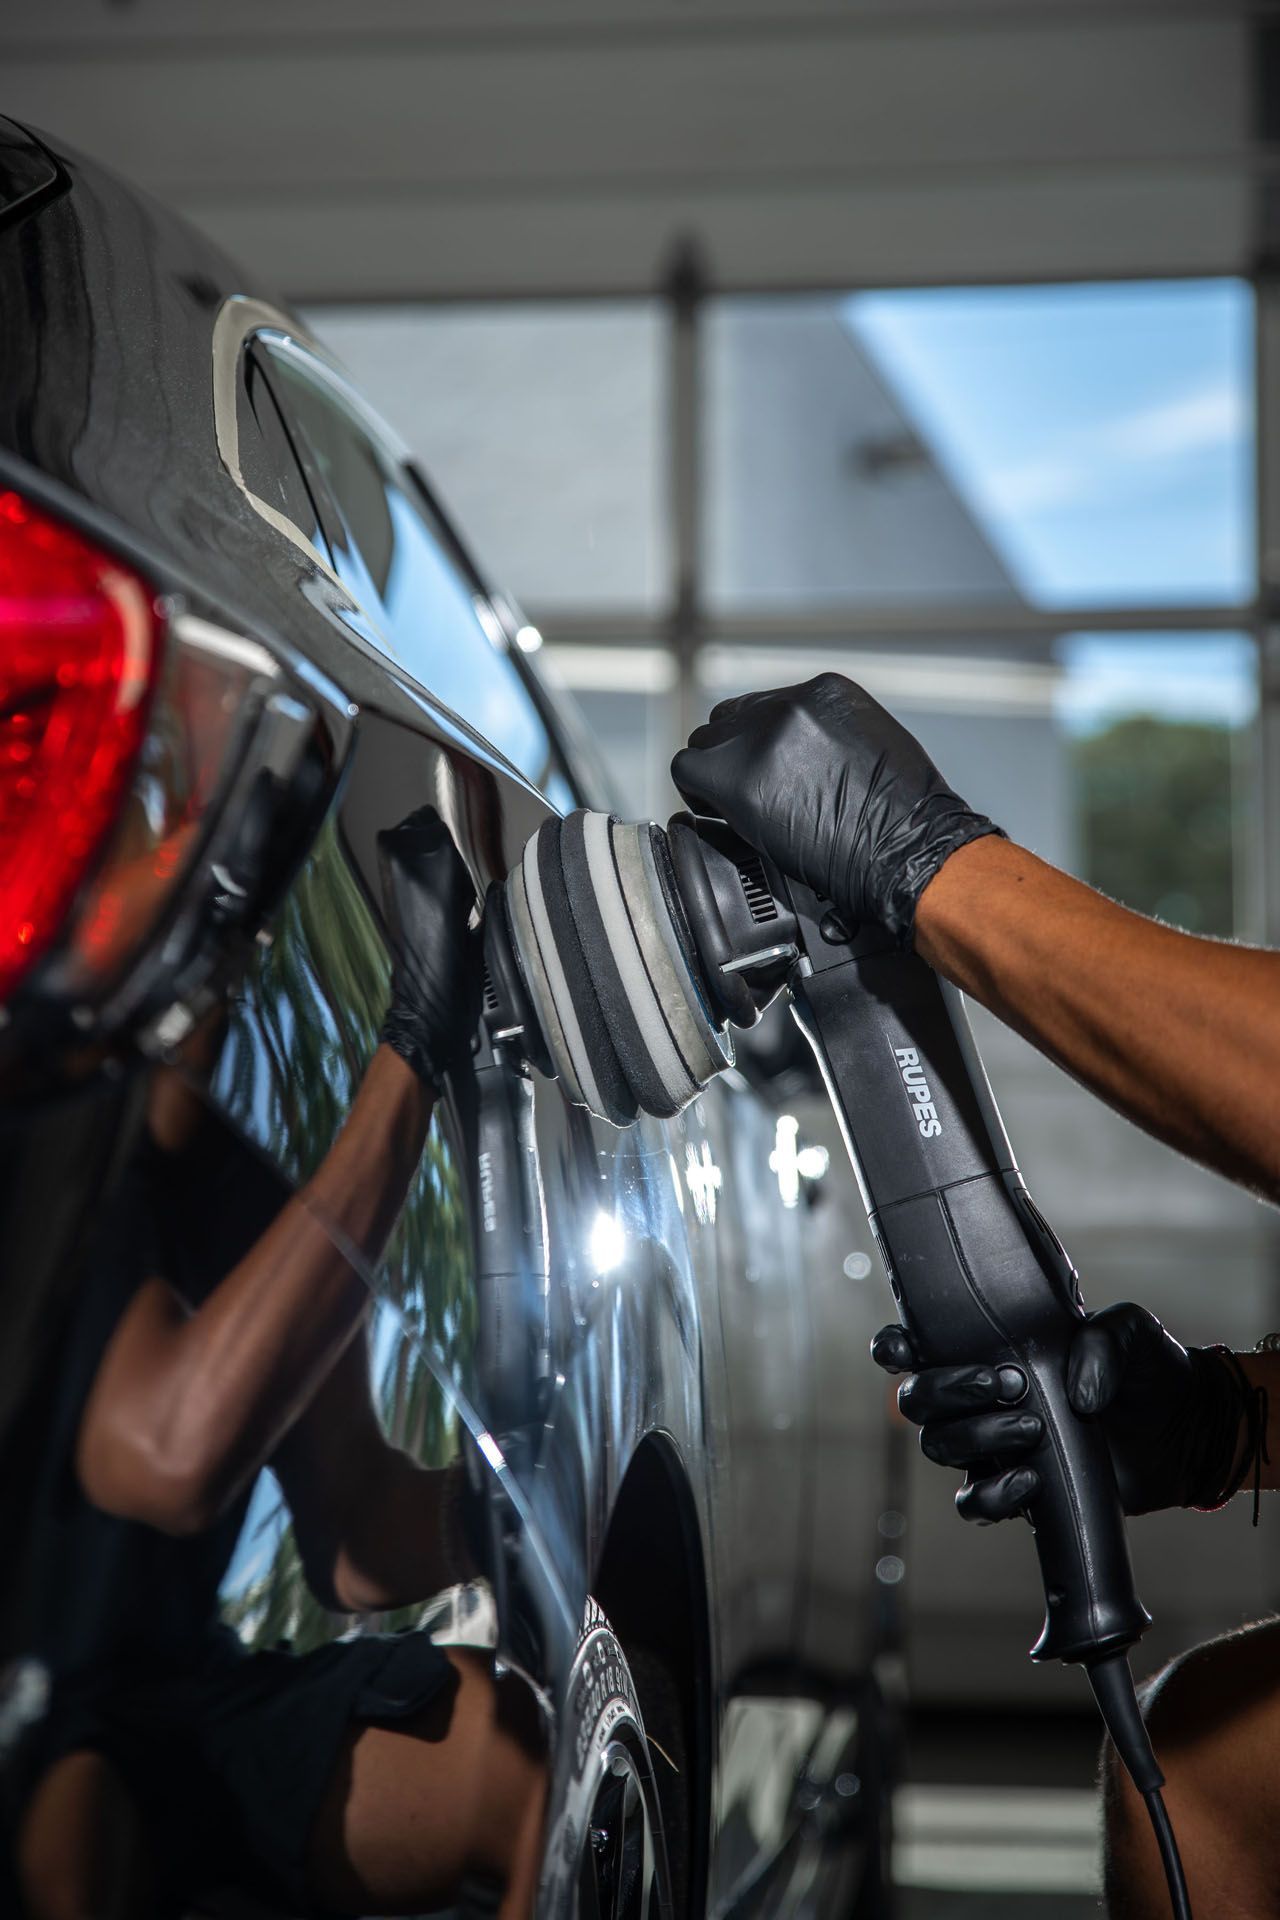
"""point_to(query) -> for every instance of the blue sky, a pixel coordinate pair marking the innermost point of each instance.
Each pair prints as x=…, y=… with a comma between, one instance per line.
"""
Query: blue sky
x=1181, y=676
x=1100, y=434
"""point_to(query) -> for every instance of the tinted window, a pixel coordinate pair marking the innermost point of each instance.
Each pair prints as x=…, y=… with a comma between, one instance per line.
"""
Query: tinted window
x=269, y=466
x=542, y=424
x=396, y=559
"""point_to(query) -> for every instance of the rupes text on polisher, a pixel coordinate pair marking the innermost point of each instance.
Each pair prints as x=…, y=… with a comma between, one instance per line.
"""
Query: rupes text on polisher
x=908, y=1059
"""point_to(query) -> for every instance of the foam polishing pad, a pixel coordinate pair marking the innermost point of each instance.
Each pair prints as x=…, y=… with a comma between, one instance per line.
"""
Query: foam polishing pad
x=610, y=966
x=551, y=952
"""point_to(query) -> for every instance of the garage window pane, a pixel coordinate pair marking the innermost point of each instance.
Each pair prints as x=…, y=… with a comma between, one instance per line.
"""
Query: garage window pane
x=626, y=706
x=1124, y=759
x=1159, y=740
x=540, y=426
x=1044, y=446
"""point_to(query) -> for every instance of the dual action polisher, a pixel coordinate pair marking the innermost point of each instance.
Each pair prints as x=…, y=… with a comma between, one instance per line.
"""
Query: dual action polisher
x=620, y=956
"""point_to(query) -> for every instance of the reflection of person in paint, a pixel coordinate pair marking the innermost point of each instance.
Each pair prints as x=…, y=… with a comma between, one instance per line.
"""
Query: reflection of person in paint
x=1182, y=1036
x=370, y=1775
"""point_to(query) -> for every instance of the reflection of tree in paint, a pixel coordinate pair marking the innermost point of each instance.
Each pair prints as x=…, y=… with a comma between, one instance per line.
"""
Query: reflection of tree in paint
x=1160, y=814
x=304, y=1027
x=305, y=1023
x=281, y=1606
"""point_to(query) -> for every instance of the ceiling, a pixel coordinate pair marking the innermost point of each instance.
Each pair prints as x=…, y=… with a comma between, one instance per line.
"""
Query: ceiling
x=531, y=147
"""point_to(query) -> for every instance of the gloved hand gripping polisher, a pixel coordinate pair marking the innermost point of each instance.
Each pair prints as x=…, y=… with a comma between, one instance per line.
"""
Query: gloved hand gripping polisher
x=619, y=958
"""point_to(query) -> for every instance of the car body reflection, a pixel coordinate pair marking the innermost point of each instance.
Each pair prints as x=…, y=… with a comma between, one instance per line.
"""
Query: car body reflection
x=547, y=1443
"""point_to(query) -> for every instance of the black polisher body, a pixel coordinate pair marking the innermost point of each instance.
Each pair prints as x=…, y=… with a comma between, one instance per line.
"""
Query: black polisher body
x=703, y=930
x=976, y=1271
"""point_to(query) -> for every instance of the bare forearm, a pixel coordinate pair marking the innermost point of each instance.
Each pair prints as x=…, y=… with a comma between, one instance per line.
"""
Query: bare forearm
x=269, y=1334
x=294, y=1300
x=1179, y=1034
x=197, y=1407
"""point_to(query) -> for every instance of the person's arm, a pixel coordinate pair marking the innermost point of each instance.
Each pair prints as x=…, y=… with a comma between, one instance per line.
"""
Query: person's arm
x=374, y=1529
x=1180, y=1034
x=186, y=1407
x=1263, y=1370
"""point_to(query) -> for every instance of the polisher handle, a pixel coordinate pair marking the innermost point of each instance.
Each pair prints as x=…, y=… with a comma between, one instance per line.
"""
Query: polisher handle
x=976, y=1271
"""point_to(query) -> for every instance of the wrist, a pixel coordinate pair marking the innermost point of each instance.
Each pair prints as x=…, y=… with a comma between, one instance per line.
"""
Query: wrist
x=388, y=1067
x=1232, y=1408
x=404, y=1035
x=1261, y=1368
x=1215, y=1409
x=953, y=909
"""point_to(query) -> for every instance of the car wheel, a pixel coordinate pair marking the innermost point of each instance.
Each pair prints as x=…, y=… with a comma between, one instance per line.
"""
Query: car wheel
x=606, y=1856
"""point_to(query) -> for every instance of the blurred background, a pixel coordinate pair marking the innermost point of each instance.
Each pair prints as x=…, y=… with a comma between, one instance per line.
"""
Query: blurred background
x=744, y=338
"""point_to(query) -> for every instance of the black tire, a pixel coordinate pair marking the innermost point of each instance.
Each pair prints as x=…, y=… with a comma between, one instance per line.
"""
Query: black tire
x=605, y=1852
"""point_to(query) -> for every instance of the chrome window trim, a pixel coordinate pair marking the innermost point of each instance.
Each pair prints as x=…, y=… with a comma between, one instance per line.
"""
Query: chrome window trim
x=239, y=319
x=242, y=319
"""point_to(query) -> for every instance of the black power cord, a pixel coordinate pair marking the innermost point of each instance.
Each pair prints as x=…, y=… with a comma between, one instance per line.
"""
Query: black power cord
x=1117, y=1698
x=1168, y=1854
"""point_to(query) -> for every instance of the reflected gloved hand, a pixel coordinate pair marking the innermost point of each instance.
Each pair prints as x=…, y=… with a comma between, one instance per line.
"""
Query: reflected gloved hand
x=1171, y=1415
x=839, y=796
x=436, y=969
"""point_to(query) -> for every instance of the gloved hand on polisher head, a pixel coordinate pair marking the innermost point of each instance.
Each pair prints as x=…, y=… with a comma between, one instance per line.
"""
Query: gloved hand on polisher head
x=838, y=795
x=1172, y=1416
x=437, y=968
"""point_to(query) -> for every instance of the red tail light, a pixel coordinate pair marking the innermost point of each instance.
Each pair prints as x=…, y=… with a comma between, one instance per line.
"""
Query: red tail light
x=79, y=650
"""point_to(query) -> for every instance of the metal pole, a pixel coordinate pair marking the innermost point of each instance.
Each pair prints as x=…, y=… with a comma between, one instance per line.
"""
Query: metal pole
x=1267, y=780
x=685, y=291
x=1266, y=785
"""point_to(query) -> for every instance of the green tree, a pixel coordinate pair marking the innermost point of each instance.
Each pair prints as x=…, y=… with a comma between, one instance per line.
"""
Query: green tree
x=1159, y=813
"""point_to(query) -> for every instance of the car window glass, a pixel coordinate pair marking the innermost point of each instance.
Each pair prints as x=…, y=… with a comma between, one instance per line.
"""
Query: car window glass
x=269, y=465
x=396, y=560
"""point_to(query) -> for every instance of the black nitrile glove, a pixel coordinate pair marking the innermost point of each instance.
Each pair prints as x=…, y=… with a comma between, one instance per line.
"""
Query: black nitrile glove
x=838, y=795
x=1171, y=1415
x=436, y=971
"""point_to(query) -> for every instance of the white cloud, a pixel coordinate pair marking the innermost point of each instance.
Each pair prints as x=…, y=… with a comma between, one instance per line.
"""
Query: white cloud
x=1212, y=417
x=1033, y=485
x=1195, y=422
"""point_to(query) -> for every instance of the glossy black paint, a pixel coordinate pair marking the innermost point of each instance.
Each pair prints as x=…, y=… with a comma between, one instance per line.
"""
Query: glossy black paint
x=661, y=1448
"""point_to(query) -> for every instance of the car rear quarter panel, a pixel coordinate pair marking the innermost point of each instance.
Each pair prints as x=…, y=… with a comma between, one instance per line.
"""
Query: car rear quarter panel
x=677, y=1277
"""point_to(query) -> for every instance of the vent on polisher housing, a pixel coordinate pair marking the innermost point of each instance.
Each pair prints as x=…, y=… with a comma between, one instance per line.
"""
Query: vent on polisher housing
x=490, y=997
x=761, y=904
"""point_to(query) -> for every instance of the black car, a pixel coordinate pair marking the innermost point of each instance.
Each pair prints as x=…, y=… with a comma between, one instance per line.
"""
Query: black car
x=241, y=651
